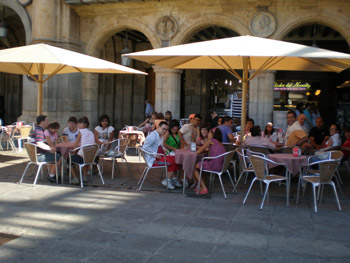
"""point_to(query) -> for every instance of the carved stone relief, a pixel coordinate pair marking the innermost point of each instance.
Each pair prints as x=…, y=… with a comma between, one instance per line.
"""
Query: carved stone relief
x=263, y=24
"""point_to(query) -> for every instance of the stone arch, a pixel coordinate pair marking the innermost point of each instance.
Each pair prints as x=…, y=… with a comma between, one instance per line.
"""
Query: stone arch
x=202, y=22
x=95, y=44
x=286, y=28
x=23, y=15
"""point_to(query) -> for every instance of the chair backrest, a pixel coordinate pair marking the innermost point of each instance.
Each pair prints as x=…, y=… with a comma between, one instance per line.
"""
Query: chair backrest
x=132, y=137
x=259, y=149
x=227, y=160
x=32, y=152
x=122, y=145
x=327, y=169
x=25, y=131
x=286, y=149
x=249, y=153
x=258, y=164
x=336, y=155
x=89, y=153
x=242, y=157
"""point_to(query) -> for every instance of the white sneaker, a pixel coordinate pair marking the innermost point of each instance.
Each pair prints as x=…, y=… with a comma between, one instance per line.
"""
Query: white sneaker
x=168, y=182
x=176, y=182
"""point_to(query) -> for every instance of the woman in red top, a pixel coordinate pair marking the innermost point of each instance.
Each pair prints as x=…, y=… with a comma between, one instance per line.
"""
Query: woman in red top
x=346, y=145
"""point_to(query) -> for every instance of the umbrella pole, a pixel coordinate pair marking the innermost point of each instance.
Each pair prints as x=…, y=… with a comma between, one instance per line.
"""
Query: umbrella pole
x=244, y=97
x=40, y=99
x=40, y=90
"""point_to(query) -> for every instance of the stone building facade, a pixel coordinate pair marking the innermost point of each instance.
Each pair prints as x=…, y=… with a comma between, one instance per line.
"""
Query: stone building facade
x=103, y=28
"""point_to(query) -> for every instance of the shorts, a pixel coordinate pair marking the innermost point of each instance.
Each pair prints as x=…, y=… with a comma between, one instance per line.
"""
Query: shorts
x=48, y=157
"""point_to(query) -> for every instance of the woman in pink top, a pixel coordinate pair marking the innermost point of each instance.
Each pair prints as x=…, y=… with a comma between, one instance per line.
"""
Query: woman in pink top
x=51, y=136
x=215, y=148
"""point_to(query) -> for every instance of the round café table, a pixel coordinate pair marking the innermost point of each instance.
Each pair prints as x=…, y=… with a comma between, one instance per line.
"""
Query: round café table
x=188, y=160
x=293, y=163
x=64, y=148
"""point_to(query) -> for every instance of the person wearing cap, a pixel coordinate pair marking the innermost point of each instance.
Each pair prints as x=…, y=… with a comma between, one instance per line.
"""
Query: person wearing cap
x=190, y=131
x=270, y=133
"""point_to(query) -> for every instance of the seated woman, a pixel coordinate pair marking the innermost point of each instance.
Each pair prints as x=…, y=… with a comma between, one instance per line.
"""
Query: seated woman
x=203, y=135
x=270, y=133
x=85, y=137
x=168, y=117
x=346, y=145
x=72, y=130
x=51, y=136
x=104, y=133
x=215, y=148
x=172, y=138
x=334, y=139
x=159, y=118
x=149, y=120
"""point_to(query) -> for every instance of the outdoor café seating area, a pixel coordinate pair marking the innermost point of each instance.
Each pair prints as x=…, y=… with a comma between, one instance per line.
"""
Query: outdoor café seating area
x=286, y=178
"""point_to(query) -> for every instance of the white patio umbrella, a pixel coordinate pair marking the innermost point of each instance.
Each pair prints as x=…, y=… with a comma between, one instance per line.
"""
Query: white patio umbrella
x=245, y=53
x=42, y=59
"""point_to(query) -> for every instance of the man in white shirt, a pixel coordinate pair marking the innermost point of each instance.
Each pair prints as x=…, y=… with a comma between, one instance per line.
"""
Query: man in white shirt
x=190, y=131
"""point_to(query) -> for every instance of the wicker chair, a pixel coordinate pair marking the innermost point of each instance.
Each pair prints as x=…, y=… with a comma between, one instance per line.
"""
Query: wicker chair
x=24, y=134
x=260, y=165
x=259, y=149
x=327, y=170
x=33, y=159
x=117, y=152
x=244, y=160
x=147, y=168
x=231, y=147
x=7, y=135
x=89, y=155
x=225, y=168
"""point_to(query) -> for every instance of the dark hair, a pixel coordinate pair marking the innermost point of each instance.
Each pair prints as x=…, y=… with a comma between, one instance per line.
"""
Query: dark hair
x=255, y=130
x=54, y=125
x=226, y=119
x=346, y=129
x=173, y=123
x=104, y=117
x=204, y=126
x=198, y=116
x=84, y=120
x=160, y=116
x=73, y=119
x=265, y=131
x=162, y=123
x=217, y=134
x=153, y=113
x=40, y=118
x=292, y=112
x=168, y=112
x=251, y=120
x=336, y=125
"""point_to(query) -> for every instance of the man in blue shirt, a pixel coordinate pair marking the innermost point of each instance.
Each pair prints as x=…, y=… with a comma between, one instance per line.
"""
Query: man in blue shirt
x=148, y=109
x=226, y=129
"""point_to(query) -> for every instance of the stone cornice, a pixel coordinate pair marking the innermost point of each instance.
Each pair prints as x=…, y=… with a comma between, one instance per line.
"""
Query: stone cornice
x=89, y=2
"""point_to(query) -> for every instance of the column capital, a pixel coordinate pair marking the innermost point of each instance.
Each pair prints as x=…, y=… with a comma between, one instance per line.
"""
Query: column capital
x=159, y=69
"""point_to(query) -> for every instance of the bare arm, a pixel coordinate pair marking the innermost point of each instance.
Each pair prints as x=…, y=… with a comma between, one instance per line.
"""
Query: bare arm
x=231, y=138
x=49, y=142
x=77, y=141
x=204, y=146
x=111, y=136
x=96, y=138
x=323, y=145
x=303, y=140
x=144, y=122
x=313, y=143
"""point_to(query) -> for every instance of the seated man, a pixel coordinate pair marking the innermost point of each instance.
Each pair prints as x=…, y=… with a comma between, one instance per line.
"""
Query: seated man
x=319, y=135
x=297, y=135
x=153, y=144
x=257, y=140
x=45, y=152
x=190, y=131
x=249, y=124
x=226, y=130
x=72, y=130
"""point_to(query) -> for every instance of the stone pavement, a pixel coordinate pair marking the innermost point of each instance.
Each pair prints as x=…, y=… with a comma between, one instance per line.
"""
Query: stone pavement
x=116, y=223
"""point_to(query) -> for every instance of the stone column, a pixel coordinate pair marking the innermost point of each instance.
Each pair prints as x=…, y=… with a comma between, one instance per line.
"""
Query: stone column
x=168, y=89
x=261, y=98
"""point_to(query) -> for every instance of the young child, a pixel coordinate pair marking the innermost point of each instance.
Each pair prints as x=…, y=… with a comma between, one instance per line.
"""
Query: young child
x=51, y=136
x=85, y=137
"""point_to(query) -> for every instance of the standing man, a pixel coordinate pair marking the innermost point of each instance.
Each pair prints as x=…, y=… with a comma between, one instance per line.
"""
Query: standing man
x=212, y=118
x=45, y=152
x=226, y=129
x=319, y=134
x=148, y=109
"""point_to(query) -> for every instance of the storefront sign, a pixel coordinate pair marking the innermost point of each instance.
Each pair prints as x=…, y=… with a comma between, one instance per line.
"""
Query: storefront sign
x=291, y=86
